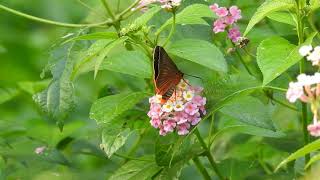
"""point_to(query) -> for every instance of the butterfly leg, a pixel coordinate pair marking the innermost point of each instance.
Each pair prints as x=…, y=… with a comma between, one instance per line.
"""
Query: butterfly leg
x=186, y=82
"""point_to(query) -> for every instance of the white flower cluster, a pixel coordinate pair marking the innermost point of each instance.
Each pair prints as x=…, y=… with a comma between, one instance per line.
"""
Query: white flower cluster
x=312, y=54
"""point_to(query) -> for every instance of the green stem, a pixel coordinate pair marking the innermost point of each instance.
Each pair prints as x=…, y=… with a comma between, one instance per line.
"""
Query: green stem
x=173, y=28
x=46, y=21
x=243, y=62
x=109, y=11
x=284, y=104
x=208, y=154
x=131, y=158
x=129, y=9
x=201, y=168
x=304, y=118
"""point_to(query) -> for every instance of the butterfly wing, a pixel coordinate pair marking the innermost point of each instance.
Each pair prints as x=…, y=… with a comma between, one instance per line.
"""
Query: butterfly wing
x=166, y=73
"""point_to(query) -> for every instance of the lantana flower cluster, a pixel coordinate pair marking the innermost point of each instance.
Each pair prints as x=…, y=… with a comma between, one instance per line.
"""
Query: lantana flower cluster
x=165, y=4
x=307, y=88
x=312, y=54
x=228, y=17
x=183, y=110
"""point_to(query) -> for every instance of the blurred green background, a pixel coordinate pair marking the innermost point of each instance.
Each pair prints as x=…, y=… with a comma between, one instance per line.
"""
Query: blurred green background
x=24, y=52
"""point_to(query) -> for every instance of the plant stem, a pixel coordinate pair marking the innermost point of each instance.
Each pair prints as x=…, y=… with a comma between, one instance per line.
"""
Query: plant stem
x=173, y=28
x=208, y=154
x=243, y=62
x=109, y=11
x=129, y=9
x=46, y=21
x=304, y=115
x=201, y=168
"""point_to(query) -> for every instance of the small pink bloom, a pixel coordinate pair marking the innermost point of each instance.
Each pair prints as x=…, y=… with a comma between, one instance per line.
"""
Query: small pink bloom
x=235, y=13
x=162, y=132
x=219, y=26
x=199, y=100
x=155, y=111
x=155, y=122
x=294, y=92
x=314, y=129
x=229, y=20
x=169, y=125
x=214, y=7
x=234, y=34
x=222, y=12
x=191, y=108
x=183, y=129
x=40, y=150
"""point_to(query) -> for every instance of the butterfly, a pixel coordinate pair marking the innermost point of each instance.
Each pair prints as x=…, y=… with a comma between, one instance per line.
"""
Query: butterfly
x=166, y=74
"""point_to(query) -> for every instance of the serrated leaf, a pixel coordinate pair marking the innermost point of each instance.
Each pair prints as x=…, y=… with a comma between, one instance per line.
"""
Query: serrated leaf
x=105, y=51
x=314, y=146
x=283, y=17
x=113, y=137
x=136, y=169
x=275, y=55
x=268, y=7
x=106, y=109
x=58, y=99
x=250, y=111
x=200, y=52
x=7, y=94
x=192, y=14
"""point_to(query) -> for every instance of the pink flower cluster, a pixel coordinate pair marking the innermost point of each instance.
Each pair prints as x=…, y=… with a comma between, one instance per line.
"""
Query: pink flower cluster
x=227, y=19
x=182, y=111
x=312, y=54
x=165, y=4
x=307, y=89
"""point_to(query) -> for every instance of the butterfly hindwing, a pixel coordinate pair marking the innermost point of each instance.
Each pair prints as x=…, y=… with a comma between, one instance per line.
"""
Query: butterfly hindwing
x=166, y=73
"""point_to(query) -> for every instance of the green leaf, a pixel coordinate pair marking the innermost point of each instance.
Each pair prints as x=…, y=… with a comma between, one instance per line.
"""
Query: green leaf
x=200, y=52
x=275, y=55
x=314, y=4
x=58, y=99
x=7, y=94
x=33, y=87
x=136, y=169
x=314, y=146
x=104, y=53
x=134, y=63
x=192, y=14
x=268, y=7
x=250, y=111
x=106, y=109
x=171, y=173
x=113, y=137
x=94, y=36
x=312, y=160
x=283, y=17
x=173, y=149
x=145, y=17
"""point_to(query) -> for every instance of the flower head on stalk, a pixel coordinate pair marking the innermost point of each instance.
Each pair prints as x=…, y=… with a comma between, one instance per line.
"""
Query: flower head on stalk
x=183, y=110
x=165, y=4
x=227, y=19
x=312, y=54
x=307, y=89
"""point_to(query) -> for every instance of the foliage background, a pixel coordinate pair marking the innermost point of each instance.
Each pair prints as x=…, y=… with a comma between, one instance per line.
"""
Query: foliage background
x=75, y=153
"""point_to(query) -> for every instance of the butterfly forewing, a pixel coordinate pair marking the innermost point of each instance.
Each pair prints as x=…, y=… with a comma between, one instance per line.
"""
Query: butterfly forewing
x=166, y=73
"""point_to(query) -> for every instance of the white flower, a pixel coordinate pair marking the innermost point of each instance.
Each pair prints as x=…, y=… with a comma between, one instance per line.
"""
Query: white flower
x=179, y=106
x=305, y=50
x=182, y=85
x=188, y=95
x=168, y=107
x=294, y=92
x=307, y=80
x=314, y=57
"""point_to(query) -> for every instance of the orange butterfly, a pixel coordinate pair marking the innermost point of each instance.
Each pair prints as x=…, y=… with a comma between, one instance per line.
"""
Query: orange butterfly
x=166, y=74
